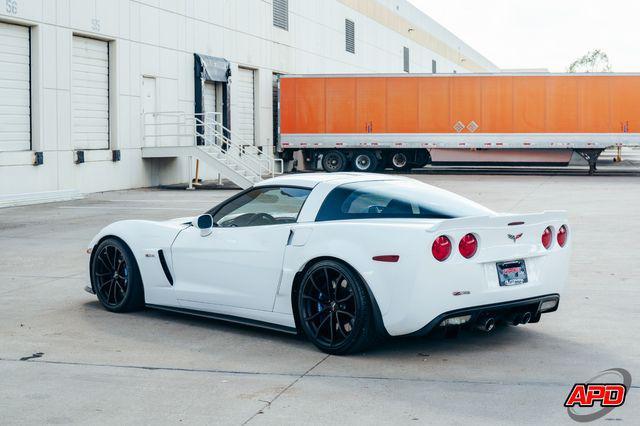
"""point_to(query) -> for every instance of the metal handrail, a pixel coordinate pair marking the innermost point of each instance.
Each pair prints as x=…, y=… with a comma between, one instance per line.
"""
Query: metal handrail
x=267, y=157
x=231, y=150
x=188, y=123
x=209, y=128
x=183, y=127
x=245, y=148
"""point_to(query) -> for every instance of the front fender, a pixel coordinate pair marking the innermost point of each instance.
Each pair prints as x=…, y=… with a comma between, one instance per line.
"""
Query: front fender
x=145, y=238
x=133, y=231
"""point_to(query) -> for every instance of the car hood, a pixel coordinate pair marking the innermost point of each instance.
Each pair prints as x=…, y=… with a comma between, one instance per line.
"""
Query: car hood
x=179, y=221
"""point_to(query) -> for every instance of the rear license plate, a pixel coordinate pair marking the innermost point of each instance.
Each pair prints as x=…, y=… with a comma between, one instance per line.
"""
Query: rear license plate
x=511, y=273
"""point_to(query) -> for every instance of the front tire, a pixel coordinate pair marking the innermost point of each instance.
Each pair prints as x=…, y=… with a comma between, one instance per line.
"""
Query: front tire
x=335, y=310
x=116, y=278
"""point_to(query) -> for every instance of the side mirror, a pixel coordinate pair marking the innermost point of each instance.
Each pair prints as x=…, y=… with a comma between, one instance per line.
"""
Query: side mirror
x=204, y=223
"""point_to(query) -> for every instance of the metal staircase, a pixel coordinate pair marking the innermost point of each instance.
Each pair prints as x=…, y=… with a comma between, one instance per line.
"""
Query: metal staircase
x=202, y=136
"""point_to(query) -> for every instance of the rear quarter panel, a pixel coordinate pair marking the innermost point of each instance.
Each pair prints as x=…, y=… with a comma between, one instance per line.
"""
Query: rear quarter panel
x=418, y=288
x=356, y=243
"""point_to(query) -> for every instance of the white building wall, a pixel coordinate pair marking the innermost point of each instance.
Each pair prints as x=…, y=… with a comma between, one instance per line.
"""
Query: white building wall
x=157, y=38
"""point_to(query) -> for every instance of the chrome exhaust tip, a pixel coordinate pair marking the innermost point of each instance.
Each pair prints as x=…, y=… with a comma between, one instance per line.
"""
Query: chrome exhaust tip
x=486, y=324
x=526, y=317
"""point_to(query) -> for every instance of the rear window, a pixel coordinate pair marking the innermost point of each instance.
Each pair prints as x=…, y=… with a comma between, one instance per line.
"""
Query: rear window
x=395, y=199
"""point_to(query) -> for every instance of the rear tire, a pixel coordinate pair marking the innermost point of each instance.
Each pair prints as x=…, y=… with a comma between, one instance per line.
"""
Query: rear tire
x=334, y=309
x=423, y=158
x=334, y=162
x=365, y=162
x=399, y=161
x=115, y=277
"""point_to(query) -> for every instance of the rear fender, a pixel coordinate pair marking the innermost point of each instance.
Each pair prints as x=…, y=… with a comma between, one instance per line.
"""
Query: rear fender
x=356, y=244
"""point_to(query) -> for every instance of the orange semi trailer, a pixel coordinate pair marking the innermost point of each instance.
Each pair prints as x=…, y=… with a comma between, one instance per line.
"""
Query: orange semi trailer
x=370, y=122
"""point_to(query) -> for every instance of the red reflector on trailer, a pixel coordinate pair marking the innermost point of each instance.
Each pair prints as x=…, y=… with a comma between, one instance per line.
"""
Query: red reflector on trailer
x=387, y=258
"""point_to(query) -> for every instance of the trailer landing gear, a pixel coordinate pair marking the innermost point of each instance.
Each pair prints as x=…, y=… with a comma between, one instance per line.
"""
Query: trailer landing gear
x=591, y=155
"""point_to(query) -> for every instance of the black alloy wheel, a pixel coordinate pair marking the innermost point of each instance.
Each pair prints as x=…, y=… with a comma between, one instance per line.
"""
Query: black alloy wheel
x=334, y=161
x=334, y=309
x=115, y=277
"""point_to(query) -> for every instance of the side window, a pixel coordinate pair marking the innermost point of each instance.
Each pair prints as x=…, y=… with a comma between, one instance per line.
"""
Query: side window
x=359, y=203
x=263, y=206
x=395, y=200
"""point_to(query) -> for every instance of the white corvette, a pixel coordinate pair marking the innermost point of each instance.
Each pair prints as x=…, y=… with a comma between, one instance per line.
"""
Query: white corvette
x=343, y=258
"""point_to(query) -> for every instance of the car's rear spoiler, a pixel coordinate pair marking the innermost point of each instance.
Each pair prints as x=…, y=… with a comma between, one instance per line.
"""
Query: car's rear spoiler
x=501, y=221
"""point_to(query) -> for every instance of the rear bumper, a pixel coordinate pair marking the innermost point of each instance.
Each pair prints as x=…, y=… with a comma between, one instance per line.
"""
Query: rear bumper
x=500, y=311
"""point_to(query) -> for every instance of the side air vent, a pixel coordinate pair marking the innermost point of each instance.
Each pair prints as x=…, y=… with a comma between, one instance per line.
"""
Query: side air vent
x=405, y=55
x=165, y=268
x=281, y=14
x=350, y=35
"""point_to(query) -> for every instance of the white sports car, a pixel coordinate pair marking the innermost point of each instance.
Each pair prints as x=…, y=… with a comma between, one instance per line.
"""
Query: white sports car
x=344, y=258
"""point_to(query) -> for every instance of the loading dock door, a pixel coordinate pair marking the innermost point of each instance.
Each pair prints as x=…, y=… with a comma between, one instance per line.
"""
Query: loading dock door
x=245, y=127
x=15, y=92
x=90, y=93
x=210, y=97
x=212, y=103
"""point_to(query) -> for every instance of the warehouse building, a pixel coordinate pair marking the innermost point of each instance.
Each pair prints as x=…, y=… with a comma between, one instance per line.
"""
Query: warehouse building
x=82, y=82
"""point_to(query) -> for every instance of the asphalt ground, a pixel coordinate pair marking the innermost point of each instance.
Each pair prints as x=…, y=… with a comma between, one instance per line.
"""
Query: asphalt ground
x=154, y=367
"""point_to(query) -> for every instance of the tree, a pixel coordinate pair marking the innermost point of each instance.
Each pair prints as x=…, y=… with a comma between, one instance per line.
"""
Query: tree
x=594, y=61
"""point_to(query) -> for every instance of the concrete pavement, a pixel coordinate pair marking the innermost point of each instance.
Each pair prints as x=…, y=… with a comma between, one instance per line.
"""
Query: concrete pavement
x=156, y=367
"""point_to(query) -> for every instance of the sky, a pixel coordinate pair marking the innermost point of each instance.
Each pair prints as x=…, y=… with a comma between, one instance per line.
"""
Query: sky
x=543, y=33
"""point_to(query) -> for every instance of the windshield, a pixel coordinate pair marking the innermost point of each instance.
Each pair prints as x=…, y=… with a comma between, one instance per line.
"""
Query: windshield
x=395, y=199
x=262, y=206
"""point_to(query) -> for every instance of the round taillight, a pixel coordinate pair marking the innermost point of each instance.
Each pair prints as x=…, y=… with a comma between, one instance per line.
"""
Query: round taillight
x=468, y=246
x=547, y=236
x=562, y=235
x=441, y=248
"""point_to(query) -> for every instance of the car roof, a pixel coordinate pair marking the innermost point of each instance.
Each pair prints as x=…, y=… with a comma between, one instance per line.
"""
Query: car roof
x=310, y=180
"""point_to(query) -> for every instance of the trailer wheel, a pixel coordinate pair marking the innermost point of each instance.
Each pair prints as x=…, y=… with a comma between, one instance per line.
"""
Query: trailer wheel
x=334, y=161
x=365, y=162
x=399, y=161
x=423, y=157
